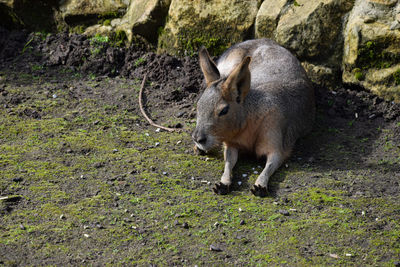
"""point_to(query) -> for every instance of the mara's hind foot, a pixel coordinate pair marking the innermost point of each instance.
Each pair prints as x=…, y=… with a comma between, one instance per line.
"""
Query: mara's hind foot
x=221, y=189
x=259, y=191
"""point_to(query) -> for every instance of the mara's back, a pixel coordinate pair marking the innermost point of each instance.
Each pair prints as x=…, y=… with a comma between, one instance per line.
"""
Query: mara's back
x=270, y=62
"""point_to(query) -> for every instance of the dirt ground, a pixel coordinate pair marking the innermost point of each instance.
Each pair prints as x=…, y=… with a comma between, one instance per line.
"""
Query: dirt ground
x=84, y=180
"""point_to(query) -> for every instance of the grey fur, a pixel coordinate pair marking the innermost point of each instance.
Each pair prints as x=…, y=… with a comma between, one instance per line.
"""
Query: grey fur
x=279, y=86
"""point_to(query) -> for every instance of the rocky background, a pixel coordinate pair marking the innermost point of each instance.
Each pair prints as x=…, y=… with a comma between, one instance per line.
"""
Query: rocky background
x=356, y=43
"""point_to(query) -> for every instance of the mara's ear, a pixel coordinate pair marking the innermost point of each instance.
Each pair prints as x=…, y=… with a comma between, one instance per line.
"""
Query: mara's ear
x=237, y=85
x=208, y=66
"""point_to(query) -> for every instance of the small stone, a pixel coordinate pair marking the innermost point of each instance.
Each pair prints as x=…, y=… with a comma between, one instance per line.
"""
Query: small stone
x=215, y=248
x=287, y=165
x=244, y=175
x=179, y=142
x=284, y=212
x=115, y=150
x=349, y=255
x=180, y=114
x=62, y=217
x=17, y=179
x=96, y=122
x=22, y=227
x=55, y=96
x=99, y=226
x=335, y=256
x=86, y=235
x=165, y=173
x=363, y=213
x=157, y=144
x=204, y=181
x=242, y=222
x=158, y=130
x=255, y=172
x=185, y=225
x=216, y=224
x=294, y=210
x=240, y=209
x=98, y=165
x=147, y=134
x=239, y=183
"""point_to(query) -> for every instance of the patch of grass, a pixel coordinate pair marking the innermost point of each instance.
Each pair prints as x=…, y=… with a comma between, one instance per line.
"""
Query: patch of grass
x=139, y=61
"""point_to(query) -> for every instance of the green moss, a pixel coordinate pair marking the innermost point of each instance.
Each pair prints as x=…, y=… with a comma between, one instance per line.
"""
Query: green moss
x=127, y=211
x=118, y=38
x=374, y=54
x=107, y=22
x=396, y=77
x=358, y=74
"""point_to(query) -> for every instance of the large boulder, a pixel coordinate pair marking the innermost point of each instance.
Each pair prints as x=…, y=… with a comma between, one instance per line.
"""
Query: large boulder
x=268, y=16
x=372, y=47
x=144, y=17
x=312, y=29
x=215, y=24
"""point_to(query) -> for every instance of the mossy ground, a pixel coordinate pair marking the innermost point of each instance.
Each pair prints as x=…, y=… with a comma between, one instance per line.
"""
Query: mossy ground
x=100, y=187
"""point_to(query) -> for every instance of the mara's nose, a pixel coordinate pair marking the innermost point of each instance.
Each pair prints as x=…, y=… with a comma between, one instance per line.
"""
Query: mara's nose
x=199, y=137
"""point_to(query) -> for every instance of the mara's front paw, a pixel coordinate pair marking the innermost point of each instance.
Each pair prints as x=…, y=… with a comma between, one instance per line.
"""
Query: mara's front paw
x=221, y=189
x=259, y=191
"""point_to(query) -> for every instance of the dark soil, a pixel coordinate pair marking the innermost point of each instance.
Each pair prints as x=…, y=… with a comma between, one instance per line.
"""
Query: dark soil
x=351, y=162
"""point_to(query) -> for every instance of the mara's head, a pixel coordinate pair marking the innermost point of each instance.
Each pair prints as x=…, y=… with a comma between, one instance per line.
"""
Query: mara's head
x=220, y=113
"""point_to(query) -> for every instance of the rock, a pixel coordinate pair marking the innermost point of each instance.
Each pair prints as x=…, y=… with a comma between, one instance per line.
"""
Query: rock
x=323, y=75
x=267, y=18
x=242, y=222
x=284, y=212
x=371, y=49
x=71, y=8
x=215, y=24
x=99, y=30
x=312, y=29
x=215, y=248
x=144, y=17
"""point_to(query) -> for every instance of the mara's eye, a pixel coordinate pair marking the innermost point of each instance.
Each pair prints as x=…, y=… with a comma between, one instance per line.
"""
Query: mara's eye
x=223, y=111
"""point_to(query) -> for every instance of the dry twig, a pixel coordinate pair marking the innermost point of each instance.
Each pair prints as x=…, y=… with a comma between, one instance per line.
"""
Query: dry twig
x=144, y=113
